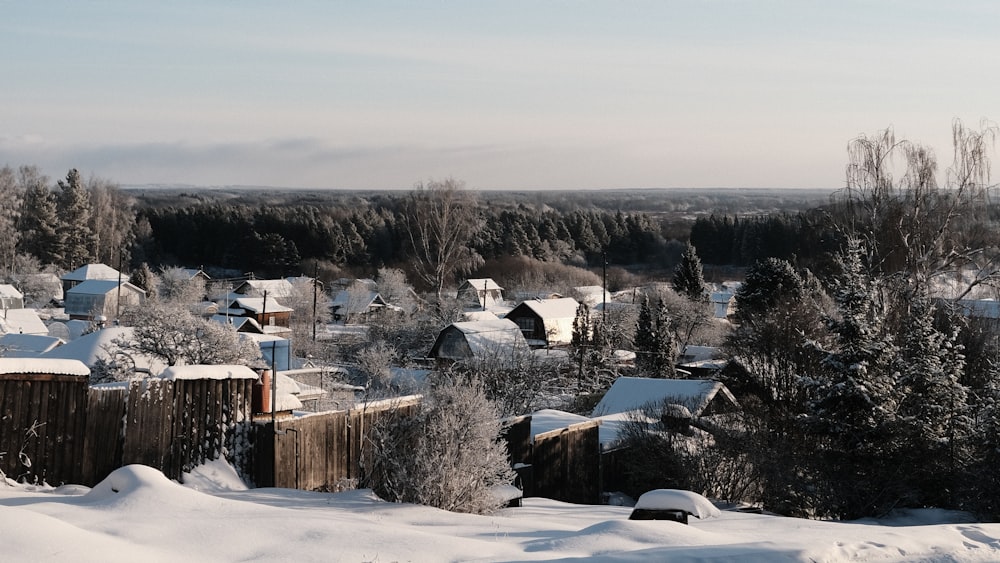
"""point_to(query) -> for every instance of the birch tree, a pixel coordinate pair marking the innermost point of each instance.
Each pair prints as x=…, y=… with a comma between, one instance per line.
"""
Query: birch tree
x=440, y=220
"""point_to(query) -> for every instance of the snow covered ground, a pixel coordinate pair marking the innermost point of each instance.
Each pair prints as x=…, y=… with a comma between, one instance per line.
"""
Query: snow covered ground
x=138, y=515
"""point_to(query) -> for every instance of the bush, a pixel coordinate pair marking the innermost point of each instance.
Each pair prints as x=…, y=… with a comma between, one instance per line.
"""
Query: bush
x=446, y=455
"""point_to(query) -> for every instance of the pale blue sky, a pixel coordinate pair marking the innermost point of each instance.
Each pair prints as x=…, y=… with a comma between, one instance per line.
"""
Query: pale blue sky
x=506, y=94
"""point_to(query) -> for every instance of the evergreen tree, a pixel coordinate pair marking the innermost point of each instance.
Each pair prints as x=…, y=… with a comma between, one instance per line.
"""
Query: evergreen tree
x=688, y=278
x=39, y=223
x=144, y=279
x=73, y=206
x=656, y=350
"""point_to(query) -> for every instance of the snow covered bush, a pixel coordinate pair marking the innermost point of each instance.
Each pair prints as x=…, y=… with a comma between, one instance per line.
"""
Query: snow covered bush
x=447, y=454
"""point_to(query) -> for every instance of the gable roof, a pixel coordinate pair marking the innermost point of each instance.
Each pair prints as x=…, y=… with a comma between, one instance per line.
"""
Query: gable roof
x=7, y=290
x=95, y=345
x=357, y=301
x=92, y=272
x=633, y=393
x=560, y=308
x=27, y=345
x=256, y=305
x=274, y=288
x=22, y=321
x=480, y=284
x=101, y=287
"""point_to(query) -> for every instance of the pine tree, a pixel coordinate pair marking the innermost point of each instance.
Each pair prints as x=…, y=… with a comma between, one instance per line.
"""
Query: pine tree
x=73, y=206
x=688, y=278
x=656, y=350
x=39, y=223
x=144, y=279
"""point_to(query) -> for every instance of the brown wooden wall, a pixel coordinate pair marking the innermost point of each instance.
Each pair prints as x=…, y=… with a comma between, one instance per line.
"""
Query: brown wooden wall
x=57, y=429
x=321, y=451
x=42, y=424
x=566, y=464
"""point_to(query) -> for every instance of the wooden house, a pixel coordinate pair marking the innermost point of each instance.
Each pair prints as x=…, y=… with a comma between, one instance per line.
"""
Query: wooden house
x=545, y=322
x=90, y=272
x=274, y=288
x=270, y=314
x=482, y=292
x=101, y=300
x=478, y=340
x=357, y=302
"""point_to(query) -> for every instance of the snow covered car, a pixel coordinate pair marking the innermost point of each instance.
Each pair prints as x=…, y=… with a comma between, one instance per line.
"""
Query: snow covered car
x=672, y=504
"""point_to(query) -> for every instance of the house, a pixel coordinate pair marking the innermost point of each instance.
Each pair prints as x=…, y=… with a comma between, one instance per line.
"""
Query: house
x=92, y=299
x=10, y=297
x=478, y=340
x=266, y=311
x=273, y=288
x=196, y=273
x=674, y=398
x=241, y=324
x=546, y=322
x=723, y=299
x=90, y=272
x=358, y=301
x=483, y=292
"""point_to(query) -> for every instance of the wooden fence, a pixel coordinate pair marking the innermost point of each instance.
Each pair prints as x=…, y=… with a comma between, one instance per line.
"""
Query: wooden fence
x=57, y=429
x=322, y=451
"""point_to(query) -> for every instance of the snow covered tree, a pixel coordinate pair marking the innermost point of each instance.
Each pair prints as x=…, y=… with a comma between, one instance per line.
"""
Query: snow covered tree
x=769, y=283
x=11, y=197
x=440, y=221
x=178, y=337
x=688, y=277
x=934, y=422
x=656, y=351
x=448, y=454
x=75, y=233
x=144, y=279
x=176, y=285
x=39, y=219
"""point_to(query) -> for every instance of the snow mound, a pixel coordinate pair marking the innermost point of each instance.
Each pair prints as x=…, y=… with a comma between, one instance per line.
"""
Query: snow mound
x=214, y=476
x=140, y=486
x=623, y=536
x=675, y=499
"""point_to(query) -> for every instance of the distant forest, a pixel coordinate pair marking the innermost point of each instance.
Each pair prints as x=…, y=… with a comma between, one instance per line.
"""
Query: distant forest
x=275, y=232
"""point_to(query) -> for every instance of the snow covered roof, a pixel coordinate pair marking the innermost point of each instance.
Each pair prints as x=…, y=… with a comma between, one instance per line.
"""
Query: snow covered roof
x=479, y=315
x=7, y=290
x=592, y=294
x=22, y=321
x=91, y=347
x=101, y=287
x=257, y=305
x=561, y=308
x=240, y=323
x=274, y=288
x=92, y=272
x=357, y=300
x=480, y=284
x=209, y=372
x=27, y=345
x=42, y=366
x=486, y=337
x=633, y=393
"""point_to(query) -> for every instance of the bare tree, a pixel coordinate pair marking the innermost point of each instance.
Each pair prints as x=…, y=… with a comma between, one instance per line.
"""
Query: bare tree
x=112, y=220
x=178, y=337
x=440, y=219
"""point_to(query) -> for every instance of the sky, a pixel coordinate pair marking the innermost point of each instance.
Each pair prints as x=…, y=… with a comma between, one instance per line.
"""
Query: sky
x=136, y=514
x=518, y=94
